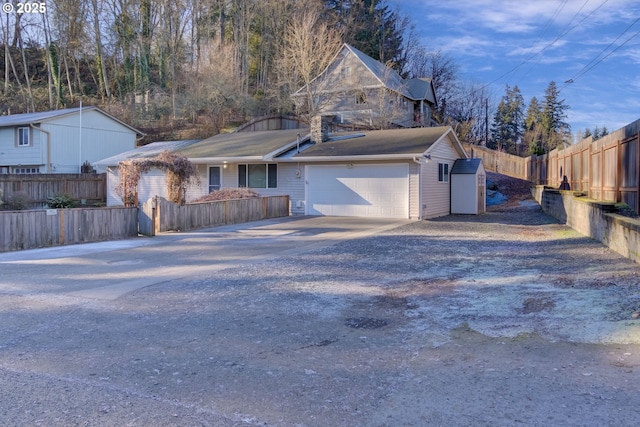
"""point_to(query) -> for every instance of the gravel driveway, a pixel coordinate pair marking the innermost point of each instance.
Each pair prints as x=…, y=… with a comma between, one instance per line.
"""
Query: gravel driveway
x=507, y=318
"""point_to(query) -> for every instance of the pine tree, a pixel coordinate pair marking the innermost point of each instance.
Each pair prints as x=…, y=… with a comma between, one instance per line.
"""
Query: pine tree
x=371, y=27
x=556, y=130
x=508, y=122
x=532, y=137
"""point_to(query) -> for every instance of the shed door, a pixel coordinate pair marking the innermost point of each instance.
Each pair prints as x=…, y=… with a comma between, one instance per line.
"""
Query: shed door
x=358, y=190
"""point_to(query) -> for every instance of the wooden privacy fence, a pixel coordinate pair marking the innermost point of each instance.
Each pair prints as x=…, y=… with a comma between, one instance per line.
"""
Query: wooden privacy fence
x=39, y=187
x=162, y=215
x=606, y=170
x=52, y=227
x=497, y=161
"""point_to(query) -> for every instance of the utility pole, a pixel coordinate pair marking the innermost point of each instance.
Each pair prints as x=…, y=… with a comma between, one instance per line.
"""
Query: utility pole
x=486, y=121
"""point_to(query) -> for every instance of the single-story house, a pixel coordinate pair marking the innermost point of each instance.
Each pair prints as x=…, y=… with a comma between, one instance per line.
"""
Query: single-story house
x=61, y=141
x=401, y=173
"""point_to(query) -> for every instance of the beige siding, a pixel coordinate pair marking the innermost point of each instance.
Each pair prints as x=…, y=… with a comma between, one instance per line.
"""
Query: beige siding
x=113, y=180
x=436, y=196
x=288, y=183
x=414, y=190
x=151, y=184
x=338, y=95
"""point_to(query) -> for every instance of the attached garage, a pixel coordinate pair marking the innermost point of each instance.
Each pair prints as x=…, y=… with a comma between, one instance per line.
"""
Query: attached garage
x=368, y=190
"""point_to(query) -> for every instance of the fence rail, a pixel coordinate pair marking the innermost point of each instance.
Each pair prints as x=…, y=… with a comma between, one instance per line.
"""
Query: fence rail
x=52, y=227
x=606, y=170
x=172, y=217
x=39, y=187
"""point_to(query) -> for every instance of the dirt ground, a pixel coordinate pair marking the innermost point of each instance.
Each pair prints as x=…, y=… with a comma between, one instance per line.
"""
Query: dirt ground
x=502, y=319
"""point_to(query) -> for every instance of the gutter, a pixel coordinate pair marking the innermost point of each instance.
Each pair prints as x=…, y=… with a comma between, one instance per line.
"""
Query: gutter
x=31, y=125
x=376, y=157
x=209, y=160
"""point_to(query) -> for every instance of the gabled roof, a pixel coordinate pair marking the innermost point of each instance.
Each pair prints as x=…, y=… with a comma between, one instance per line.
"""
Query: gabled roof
x=44, y=116
x=386, y=76
x=414, y=89
x=146, y=151
x=466, y=166
x=241, y=145
x=422, y=88
x=391, y=143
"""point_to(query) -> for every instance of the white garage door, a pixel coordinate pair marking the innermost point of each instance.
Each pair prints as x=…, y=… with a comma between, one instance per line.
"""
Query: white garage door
x=358, y=190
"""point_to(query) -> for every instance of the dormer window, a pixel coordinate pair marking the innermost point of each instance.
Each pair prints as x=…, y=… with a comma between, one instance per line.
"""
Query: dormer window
x=24, y=137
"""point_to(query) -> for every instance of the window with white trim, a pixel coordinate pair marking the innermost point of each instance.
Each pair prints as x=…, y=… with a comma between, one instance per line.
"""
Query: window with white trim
x=443, y=172
x=26, y=170
x=24, y=139
x=258, y=175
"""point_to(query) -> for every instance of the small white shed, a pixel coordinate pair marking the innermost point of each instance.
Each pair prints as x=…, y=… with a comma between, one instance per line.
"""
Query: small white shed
x=468, y=187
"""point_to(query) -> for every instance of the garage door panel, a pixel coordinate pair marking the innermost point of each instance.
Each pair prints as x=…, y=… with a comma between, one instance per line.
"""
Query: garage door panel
x=358, y=190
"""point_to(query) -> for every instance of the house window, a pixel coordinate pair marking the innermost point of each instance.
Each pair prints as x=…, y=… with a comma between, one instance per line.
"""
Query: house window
x=258, y=176
x=215, y=179
x=443, y=172
x=23, y=137
x=361, y=98
x=345, y=72
x=26, y=170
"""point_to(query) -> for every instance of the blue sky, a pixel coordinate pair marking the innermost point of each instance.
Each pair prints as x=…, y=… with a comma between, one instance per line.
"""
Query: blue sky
x=529, y=43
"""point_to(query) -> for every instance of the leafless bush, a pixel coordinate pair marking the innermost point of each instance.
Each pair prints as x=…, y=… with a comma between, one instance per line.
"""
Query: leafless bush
x=228, y=194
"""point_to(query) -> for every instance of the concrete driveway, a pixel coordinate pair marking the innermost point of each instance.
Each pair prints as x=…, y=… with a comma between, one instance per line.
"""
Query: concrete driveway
x=504, y=319
x=108, y=270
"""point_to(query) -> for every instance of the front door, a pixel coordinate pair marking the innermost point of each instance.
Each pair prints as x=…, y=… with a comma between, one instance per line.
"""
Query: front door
x=215, y=179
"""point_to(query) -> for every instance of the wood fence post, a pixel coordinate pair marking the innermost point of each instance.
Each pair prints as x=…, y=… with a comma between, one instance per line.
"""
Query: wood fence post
x=61, y=216
x=264, y=210
x=618, y=171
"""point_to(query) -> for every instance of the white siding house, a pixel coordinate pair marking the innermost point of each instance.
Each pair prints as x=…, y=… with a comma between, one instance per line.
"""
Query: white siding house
x=387, y=173
x=61, y=141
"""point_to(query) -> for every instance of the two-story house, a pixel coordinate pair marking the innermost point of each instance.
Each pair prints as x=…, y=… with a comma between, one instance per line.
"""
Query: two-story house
x=360, y=92
x=61, y=141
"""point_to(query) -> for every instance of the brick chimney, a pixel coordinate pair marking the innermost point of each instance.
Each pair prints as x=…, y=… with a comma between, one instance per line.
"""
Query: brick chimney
x=320, y=128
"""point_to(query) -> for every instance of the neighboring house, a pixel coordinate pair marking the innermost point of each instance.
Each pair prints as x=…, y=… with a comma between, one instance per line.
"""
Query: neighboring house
x=401, y=173
x=361, y=92
x=61, y=141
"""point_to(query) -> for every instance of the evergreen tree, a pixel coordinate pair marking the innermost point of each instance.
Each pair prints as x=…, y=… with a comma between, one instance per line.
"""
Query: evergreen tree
x=371, y=27
x=532, y=137
x=587, y=133
x=556, y=130
x=508, y=122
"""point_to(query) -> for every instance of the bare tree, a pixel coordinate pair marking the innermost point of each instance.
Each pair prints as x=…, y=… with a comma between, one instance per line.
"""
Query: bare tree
x=309, y=46
x=100, y=60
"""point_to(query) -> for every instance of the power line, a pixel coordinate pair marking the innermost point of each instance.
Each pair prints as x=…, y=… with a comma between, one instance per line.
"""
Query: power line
x=567, y=29
x=582, y=73
x=587, y=68
x=544, y=31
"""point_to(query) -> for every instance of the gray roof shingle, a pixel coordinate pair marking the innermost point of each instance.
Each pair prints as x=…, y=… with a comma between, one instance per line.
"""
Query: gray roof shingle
x=410, y=141
x=466, y=166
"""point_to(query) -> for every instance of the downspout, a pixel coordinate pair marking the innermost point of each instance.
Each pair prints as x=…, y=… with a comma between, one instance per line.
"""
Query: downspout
x=48, y=145
x=417, y=160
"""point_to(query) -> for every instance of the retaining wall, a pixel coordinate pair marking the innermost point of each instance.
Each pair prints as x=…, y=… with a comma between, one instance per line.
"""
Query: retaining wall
x=592, y=218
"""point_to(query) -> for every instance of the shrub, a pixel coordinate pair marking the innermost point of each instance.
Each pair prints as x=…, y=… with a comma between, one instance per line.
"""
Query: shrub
x=228, y=194
x=19, y=201
x=60, y=201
